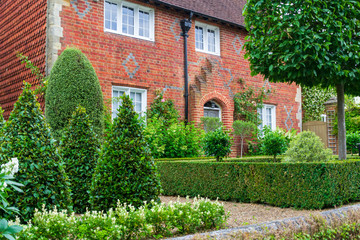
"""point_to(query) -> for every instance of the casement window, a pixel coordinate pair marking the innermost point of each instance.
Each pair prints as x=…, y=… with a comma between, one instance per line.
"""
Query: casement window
x=267, y=115
x=137, y=95
x=207, y=38
x=129, y=19
x=212, y=109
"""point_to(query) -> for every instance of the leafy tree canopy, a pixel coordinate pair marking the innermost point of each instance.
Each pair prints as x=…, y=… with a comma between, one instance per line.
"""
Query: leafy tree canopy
x=309, y=42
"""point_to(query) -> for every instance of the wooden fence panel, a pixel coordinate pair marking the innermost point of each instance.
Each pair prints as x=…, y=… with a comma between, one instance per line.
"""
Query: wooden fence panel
x=319, y=128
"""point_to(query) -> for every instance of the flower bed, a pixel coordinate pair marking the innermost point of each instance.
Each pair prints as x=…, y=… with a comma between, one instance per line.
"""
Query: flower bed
x=127, y=222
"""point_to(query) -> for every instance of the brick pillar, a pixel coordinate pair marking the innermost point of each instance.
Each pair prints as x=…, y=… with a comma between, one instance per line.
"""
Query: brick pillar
x=330, y=109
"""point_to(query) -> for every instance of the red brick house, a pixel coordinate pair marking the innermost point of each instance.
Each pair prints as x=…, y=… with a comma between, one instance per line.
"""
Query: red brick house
x=137, y=47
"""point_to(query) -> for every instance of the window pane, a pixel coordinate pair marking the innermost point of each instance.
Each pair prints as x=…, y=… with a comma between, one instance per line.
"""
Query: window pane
x=199, y=38
x=128, y=20
x=144, y=24
x=110, y=16
x=138, y=107
x=211, y=40
x=116, y=101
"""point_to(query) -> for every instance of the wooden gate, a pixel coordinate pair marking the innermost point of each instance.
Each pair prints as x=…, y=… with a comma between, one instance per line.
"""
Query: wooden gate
x=319, y=128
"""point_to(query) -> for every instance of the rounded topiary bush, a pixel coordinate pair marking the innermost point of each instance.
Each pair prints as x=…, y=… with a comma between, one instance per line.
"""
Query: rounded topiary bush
x=27, y=137
x=217, y=143
x=307, y=147
x=73, y=81
x=274, y=143
x=79, y=148
x=125, y=170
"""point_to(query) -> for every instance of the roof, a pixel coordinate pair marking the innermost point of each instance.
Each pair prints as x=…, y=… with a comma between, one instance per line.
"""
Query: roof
x=229, y=11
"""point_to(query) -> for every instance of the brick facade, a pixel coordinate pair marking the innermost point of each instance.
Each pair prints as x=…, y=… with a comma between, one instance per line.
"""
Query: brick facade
x=127, y=61
x=22, y=29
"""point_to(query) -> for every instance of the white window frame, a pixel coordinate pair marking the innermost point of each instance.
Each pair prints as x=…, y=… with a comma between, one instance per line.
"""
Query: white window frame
x=127, y=91
x=220, y=110
x=136, y=8
x=273, y=115
x=205, y=28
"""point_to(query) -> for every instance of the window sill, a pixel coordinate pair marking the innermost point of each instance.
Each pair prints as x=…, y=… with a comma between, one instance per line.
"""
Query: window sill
x=207, y=52
x=128, y=35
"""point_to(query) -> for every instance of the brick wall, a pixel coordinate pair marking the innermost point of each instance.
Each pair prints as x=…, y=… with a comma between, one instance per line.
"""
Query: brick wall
x=23, y=29
x=160, y=63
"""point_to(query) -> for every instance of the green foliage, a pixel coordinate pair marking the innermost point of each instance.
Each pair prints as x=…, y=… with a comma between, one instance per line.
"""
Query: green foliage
x=247, y=102
x=73, y=81
x=172, y=139
x=79, y=148
x=27, y=137
x=210, y=123
x=280, y=31
x=6, y=181
x=313, y=99
x=299, y=185
x=125, y=170
x=307, y=147
x=41, y=88
x=217, y=143
x=163, y=109
x=352, y=116
x=156, y=221
x=2, y=120
x=351, y=140
x=243, y=129
x=274, y=143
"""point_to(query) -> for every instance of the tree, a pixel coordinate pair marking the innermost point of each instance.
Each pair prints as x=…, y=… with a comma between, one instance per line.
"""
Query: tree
x=79, y=148
x=307, y=42
x=27, y=136
x=243, y=129
x=217, y=143
x=73, y=81
x=125, y=170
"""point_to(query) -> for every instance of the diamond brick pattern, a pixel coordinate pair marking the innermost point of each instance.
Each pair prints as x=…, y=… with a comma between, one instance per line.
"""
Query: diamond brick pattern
x=81, y=13
x=237, y=44
x=127, y=63
x=289, y=122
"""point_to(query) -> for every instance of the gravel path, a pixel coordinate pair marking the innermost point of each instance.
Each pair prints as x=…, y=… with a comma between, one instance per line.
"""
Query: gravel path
x=242, y=214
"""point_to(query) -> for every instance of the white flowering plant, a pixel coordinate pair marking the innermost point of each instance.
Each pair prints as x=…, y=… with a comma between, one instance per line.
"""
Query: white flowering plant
x=153, y=220
x=7, y=173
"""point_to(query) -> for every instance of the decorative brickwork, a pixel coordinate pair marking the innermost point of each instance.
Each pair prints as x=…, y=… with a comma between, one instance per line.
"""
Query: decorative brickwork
x=121, y=60
x=22, y=29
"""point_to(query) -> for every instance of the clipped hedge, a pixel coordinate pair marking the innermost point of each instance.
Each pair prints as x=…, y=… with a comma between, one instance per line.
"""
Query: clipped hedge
x=299, y=185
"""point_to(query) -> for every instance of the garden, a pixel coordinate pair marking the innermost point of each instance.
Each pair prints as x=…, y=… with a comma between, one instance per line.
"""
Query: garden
x=78, y=174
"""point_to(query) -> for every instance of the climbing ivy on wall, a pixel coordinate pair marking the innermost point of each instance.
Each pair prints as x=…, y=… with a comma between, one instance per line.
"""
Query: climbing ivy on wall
x=313, y=101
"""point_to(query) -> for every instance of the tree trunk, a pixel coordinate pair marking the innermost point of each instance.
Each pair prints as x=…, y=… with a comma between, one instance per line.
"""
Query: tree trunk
x=242, y=145
x=341, y=121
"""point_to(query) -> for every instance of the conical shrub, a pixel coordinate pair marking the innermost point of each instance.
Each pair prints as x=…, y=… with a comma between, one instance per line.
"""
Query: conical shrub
x=73, y=81
x=79, y=148
x=27, y=136
x=125, y=170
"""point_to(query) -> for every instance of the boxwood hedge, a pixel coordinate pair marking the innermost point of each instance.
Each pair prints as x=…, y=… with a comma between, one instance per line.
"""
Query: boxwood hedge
x=299, y=185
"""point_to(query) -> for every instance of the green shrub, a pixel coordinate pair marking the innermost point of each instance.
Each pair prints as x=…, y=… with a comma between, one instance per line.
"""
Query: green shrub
x=351, y=140
x=307, y=147
x=210, y=123
x=174, y=140
x=274, y=143
x=27, y=137
x=163, y=109
x=217, y=143
x=299, y=185
x=73, y=81
x=125, y=170
x=243, y=129
x=79, y=148
x=156, y=221
x=2, y=120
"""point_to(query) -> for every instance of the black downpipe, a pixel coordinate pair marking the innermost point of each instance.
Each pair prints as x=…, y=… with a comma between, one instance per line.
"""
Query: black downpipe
x=185, y=26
